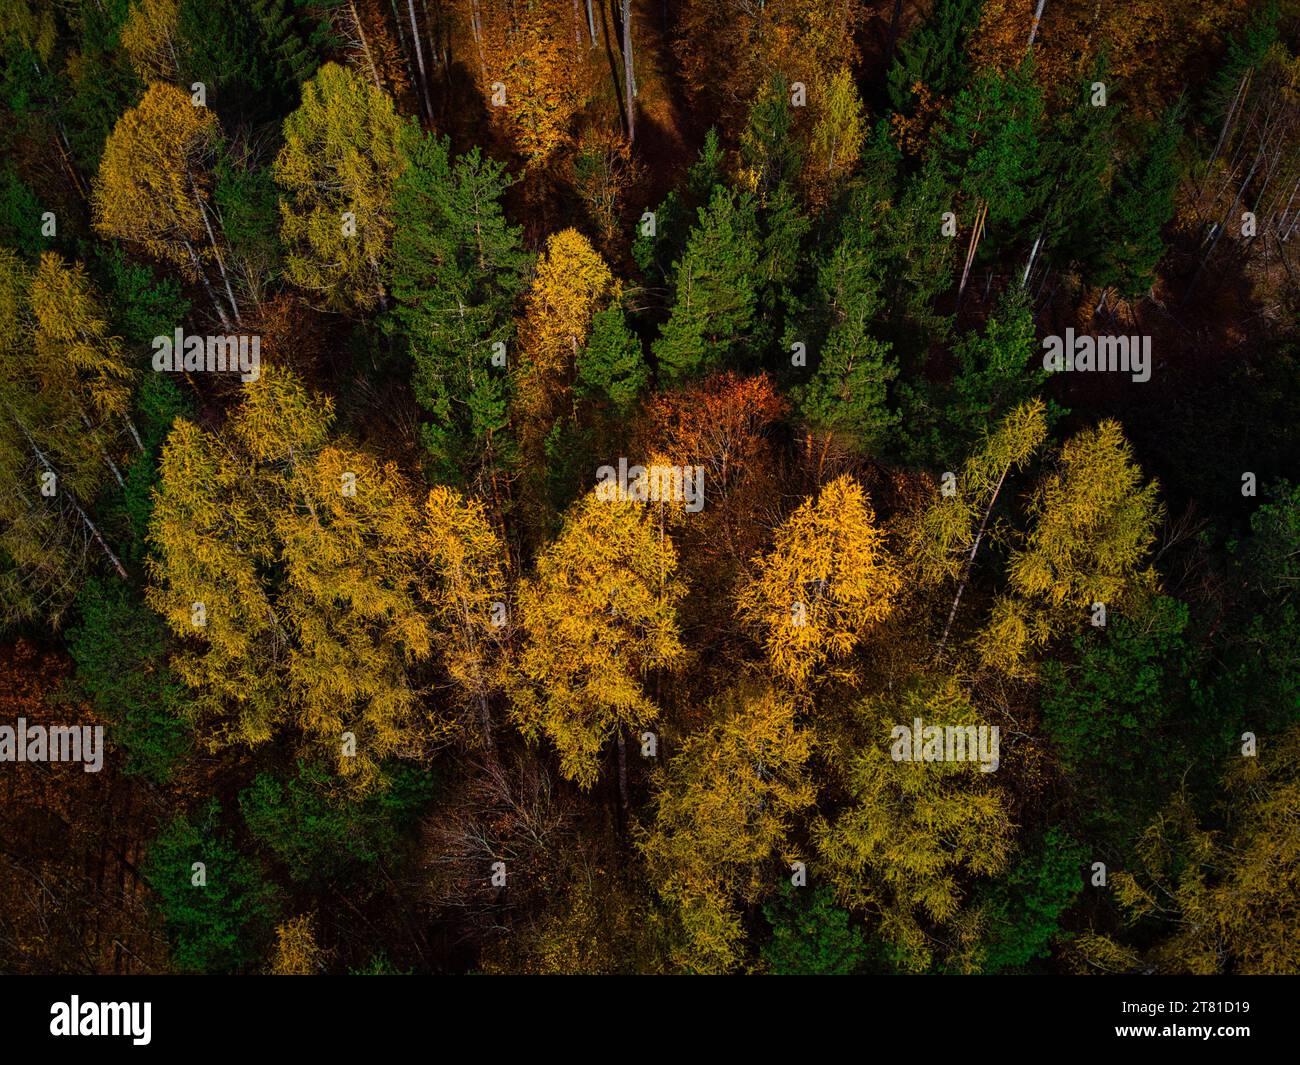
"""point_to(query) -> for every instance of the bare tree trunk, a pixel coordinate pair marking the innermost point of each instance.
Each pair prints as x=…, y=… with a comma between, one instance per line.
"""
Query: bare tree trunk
x=622, y=771
x=419, y=60
x=1227, y=218
x=970, y=561
x=893, y=32
x=207, y=285
x=1038, y=15
x=629, y=79
x=108, y=461
x=134, y=435
x=975, y=234
x=365, y=45
x=90, y=525
x=476, y=24
x=212, y=241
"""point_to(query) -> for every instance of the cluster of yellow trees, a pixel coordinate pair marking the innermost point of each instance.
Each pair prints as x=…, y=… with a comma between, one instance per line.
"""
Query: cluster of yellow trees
x=316, y=595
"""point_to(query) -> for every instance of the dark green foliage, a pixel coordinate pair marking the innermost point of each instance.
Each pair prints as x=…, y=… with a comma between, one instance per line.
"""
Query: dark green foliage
x=934, y=53
x=992, y=150
x=20, y=216
x=294, y=35
x=997, y=369
x=1023, y=910
x=103, y=85
x=120, y=649
x=143, y=304
x=811, y=936
x=782, y=261
x=656, y=254
x=222, y=926
x=318, y=830
x=1081, y=153
x=221, y=46
x=847, y=393
x=1245, y=50
x=1142, y=204
x=611, y=367
x=715, y=290
x=1257, y=686
x=456, y=269
x=1124, y=687
x=1127, y=712
x=918, y=261
x=159, y=402
x=250, y=215
x=768, y=152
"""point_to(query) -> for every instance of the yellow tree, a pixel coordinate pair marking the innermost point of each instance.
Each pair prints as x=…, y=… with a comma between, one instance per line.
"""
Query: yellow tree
x=724, y=810
x=571, y=284
x=943, y=544
x=837, y=137
x=914, y=829
x=350, y=602
x=78, y=356
x=1094, y=523
x=50, y=461
x=597, y=617
x=826, y=582
x=149, y=37
x=340, y=160
x=211, y=539
x=296, y=951
x=302, y=555
x=464, y=589
x=1227, y=895
x=345, y=530
x=531, y=73
x=152, y=188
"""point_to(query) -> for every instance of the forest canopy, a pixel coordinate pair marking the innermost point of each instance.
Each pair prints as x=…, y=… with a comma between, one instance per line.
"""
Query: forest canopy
x=566, y=486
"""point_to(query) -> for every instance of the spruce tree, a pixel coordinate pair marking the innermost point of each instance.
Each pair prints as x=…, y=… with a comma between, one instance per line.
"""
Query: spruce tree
x=715, y=286
x=455, y=269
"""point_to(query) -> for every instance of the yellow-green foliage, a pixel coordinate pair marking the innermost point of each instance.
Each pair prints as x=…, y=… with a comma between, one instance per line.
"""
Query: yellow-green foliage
x=724, y=810
x=914, y=831
x=340, y=160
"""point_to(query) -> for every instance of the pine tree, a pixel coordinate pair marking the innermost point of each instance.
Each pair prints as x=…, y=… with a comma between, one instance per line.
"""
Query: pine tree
x=992, y=148
x=847, y=395
x=456, y=269
x=768, y=152
x=715, y=290
x=933, y=55
x=611, y=367
x=994, y=372
x=1132, y=244
x=656, y=252
x=219, y=927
